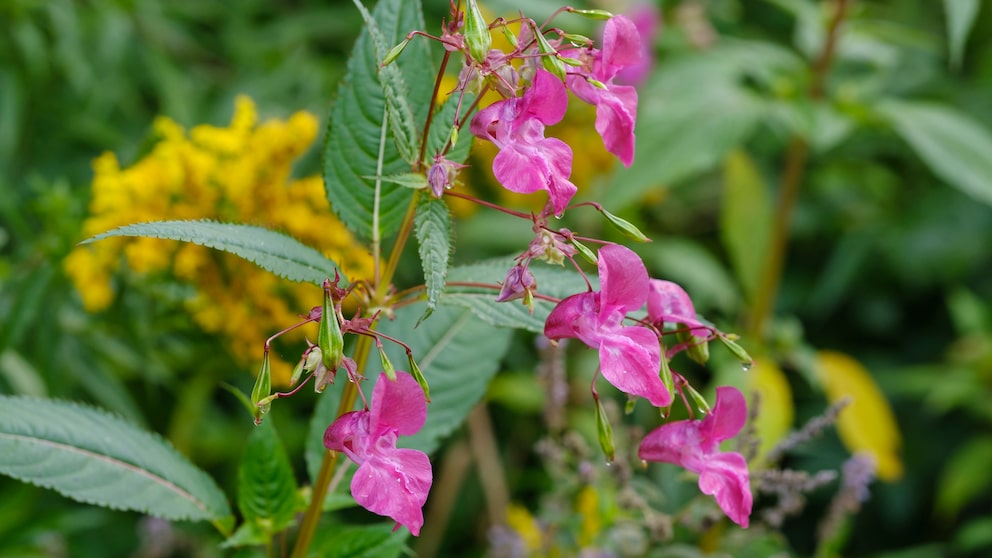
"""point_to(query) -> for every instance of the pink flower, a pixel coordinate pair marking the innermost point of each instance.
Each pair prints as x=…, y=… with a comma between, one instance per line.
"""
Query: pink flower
x=616, y=106
x=668, y=303
x=389, y=481
x=528, y=161
x=695, y=445
x=629, y=356
x=647, y=19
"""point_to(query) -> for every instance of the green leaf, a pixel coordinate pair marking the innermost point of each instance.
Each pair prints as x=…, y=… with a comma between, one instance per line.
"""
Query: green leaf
x=393, y=84
x=458, y=354
x=266, y=486
x=272, y=251
x=553, y=282
x=954, y=147
x=960, y=18
x=97, y=458
x=432, y=225
x=366, y=541
x=358, y=143
x=745, y=219
x=965, y=477
x=441, y=127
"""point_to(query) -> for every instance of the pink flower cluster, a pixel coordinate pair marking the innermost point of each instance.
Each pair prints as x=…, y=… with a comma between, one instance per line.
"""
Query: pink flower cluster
x=630, y=357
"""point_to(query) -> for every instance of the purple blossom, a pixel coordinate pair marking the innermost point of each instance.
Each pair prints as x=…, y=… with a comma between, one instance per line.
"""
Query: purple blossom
x=389, y=481
x=695, y=445
x=616, y=105
x=629, y=356
x=519, y=282
x=528, y=161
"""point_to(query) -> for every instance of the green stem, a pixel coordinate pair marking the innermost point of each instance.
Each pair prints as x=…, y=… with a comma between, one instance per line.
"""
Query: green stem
x=319, y=492
x=394, y=256
x=793, y=175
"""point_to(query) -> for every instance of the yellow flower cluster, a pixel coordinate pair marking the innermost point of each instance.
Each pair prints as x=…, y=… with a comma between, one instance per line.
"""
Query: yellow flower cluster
x=241, y=173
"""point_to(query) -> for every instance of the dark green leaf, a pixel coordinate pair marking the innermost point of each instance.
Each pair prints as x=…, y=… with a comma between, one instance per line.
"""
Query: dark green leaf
x=97, y=458
x=358, y=143
x=269, y=250
x=266, y=487
x=432, y=225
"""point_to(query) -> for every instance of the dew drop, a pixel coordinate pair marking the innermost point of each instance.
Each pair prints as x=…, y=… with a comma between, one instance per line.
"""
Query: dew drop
x=745, y=366
x=609, y=463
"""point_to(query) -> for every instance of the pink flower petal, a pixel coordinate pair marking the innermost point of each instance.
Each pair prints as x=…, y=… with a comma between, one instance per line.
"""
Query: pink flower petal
x=623, y=278
x=349, y=434
x=397, y=405
x=630, y=360
x=725, y=477
x=546, y=99
x=728, y=416
x=616, y=114
x=621, y=44
x=395, y=484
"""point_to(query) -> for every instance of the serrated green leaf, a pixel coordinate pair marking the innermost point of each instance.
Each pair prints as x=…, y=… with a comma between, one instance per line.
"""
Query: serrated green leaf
x=960, y=18
x=91, y=456
x=432, y=226
x=394, y=90
x=266, y=486
x=358, y=143
x=366, y=541
x=745, y=220
x=272, y=251
x=954, y=147
x=458, y=354
x=553, y=282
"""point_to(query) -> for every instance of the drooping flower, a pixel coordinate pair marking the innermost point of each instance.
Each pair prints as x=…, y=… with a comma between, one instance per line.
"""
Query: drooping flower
x=519, y=283
x=695, y=445
x=629, y=356
x=528, y=161
x=390, y=481
x=616, y=105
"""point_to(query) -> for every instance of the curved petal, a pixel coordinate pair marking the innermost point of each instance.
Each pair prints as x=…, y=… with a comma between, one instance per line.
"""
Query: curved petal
x=623, y=279
x=486, y=119
x=728, y=416
x=519, y=168
x=621, y=45
x=669, y=443
x=558, y=155
x=546, y=99
x=575, y=317
x=669, y=303
x=397, y=405
x=616, y=113
x=349, y=434
x=630, y=359
x=395, y=484
x=725, y=477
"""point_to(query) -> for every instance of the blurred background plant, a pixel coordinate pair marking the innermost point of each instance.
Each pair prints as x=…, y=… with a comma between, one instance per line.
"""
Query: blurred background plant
x=886, y=265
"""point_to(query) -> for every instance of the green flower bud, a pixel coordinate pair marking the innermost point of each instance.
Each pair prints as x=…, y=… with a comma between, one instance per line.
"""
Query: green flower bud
x=395, y=52
x=419, y=376
x=701, y=405
x=626, y=227
x=592, y=14
x=697, y=349
x=737, y=351
x=550, y=59
x=329, y=338
x=262, y=389
x=477, y=36
x=604, y=431
x=387, y=365
x=585, y=251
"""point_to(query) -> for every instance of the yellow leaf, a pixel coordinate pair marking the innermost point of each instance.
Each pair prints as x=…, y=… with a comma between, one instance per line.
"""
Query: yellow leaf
x=867, y=424
x=775, y=416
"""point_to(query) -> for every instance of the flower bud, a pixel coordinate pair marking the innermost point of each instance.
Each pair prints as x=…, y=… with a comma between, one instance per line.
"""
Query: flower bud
x=701, y=405
x=519, y=282
x=419, y=376
x=626, y=227
x=387, y=366
x=550, y=59
x=737, y=351
x=329, y=338
x=585, y=252
x=698, y=349
x=592, y=14
x=395, y=52
x=477, y=36
x=604, y=431
x=262, y=389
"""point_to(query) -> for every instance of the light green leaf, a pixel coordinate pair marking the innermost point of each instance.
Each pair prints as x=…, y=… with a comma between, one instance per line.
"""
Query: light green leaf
x=266, y=487
x=97, y=458
x=269, y=250
x=358, y=139
x=745, y=219
x=551, y=281
x=954, y=147
x=394, y=90
x=432, y=225
x=366, y=541
x=965, y=477
x=960, y=18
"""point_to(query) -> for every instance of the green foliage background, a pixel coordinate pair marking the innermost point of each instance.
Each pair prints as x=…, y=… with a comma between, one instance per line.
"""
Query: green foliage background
x=888, y=260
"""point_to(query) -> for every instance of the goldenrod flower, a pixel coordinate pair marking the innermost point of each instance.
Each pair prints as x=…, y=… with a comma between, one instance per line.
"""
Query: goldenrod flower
x=239, y=173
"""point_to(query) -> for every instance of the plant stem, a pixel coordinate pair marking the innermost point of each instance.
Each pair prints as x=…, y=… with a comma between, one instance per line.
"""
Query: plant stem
x=394, y=257
x=319, y=491
x=793, y=175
